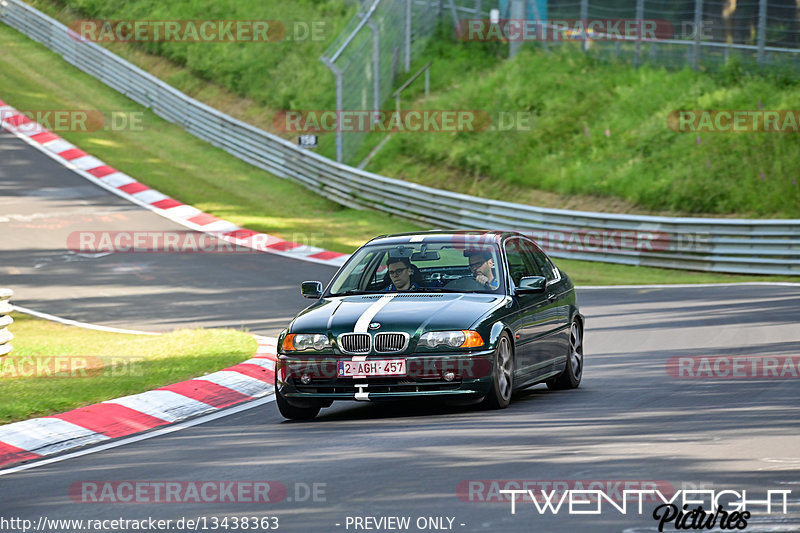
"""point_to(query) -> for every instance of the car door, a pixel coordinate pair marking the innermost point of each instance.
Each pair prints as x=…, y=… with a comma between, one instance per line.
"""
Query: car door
x=527, y=322
x=551, y=345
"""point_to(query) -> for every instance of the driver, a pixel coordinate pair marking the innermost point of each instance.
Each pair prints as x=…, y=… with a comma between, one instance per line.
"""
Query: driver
x=400, y=275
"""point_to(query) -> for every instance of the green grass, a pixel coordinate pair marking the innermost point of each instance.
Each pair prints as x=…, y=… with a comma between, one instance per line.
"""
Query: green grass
x=599, y=130
x=54, y=368
x=284, y=74
x=165, y=157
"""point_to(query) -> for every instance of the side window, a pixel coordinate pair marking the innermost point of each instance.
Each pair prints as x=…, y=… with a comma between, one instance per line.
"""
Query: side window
x=543, y=264
x=519, y=264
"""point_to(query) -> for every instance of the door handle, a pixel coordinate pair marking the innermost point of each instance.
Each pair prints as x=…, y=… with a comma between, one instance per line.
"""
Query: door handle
x=551, y=297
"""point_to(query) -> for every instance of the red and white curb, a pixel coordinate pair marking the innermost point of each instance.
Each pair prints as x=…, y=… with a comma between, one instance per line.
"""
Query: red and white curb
x=125, y=186
x=39, y=437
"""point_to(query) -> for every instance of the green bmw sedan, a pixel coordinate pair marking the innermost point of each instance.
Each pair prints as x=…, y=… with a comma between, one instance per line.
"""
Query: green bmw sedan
x=467, y=316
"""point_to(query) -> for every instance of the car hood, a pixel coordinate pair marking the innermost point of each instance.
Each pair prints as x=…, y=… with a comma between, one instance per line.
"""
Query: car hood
x=406, y=312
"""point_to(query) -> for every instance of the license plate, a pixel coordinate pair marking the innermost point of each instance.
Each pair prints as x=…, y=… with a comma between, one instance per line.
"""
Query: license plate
x=384, y=367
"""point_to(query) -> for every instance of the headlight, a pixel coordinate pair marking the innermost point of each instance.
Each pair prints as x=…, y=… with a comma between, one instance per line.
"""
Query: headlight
x=453, y=339
x=297, y=342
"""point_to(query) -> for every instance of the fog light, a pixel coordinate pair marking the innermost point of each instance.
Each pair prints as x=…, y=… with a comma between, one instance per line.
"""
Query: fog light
x=306, y=379
x=449, y=375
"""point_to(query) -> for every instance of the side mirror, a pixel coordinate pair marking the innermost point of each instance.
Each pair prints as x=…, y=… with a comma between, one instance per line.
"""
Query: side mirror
x=532, y=284
x=311, y=289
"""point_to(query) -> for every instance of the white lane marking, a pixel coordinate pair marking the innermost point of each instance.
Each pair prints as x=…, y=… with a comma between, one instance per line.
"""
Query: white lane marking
x=143, y=436
x=690, y=285
x=84, y=325
x=47, y=435
x=163, y=404
x=366, y=317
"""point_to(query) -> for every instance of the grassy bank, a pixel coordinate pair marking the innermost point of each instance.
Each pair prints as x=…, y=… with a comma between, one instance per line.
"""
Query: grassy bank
x=167, y=158
x=54, y=368
x=598, y=130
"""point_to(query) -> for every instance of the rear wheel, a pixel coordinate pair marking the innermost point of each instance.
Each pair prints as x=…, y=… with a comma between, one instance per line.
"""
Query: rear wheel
x=570, y=378
x=293, y=411
x=502, y=376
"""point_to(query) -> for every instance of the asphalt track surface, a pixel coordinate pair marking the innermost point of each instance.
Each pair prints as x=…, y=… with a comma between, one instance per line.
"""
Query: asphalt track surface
x=42, y=204
x=630, y=419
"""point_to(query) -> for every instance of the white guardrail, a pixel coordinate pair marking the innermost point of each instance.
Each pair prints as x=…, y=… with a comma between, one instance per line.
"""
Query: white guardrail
x=720, y=245
x=5, y=320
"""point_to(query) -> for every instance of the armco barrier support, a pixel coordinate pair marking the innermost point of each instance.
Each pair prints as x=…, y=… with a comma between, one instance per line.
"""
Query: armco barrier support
x=719, y=245
x=5, y=320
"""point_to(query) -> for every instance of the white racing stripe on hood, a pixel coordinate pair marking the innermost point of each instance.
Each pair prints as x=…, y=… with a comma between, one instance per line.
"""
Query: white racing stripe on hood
x=362, y=325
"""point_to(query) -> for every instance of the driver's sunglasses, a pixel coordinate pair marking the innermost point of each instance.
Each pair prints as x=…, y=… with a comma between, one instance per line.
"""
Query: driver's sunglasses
x=398, y=271
x=476, y=265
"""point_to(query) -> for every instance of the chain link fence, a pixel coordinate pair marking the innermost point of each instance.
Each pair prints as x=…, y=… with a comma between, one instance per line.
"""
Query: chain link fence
x=379, y=44
x=704, y=33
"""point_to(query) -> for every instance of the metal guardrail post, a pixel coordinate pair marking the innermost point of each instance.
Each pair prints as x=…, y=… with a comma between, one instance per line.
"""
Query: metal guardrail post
x=762, y=29
x=5, y=309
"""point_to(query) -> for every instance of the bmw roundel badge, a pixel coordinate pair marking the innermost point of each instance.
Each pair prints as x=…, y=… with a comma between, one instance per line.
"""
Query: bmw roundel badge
x=375, y=325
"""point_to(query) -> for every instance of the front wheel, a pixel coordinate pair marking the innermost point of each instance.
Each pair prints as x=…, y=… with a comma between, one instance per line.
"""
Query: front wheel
x=293, y=412
x=502, y=375
x=570, y=378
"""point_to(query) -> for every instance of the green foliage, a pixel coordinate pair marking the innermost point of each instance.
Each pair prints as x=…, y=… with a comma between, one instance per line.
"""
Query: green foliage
x=600, y=128
x=282, y=75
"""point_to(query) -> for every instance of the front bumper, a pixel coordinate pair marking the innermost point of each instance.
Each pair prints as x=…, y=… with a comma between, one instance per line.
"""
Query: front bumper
x=425, y=376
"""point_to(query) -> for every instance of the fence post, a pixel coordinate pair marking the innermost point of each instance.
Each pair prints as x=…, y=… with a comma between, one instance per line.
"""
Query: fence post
x=517, y=9
x=640, y=22
x=5, y=320
x=762, y=29
x=698, y=33
x=584, y=20
x=408, y=35
x=376, y=66
x=339, y=97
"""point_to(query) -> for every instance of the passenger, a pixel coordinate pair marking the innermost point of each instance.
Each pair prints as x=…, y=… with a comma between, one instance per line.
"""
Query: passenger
x=400, y=271
x=481, y=265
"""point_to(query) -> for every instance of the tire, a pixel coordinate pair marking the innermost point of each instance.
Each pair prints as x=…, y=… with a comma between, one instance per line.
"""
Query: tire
x=502, y=375
x=570, y=378
x=293, y=412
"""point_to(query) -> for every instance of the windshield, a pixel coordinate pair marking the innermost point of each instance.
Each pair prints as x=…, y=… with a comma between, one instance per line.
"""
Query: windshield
x=445, y=267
